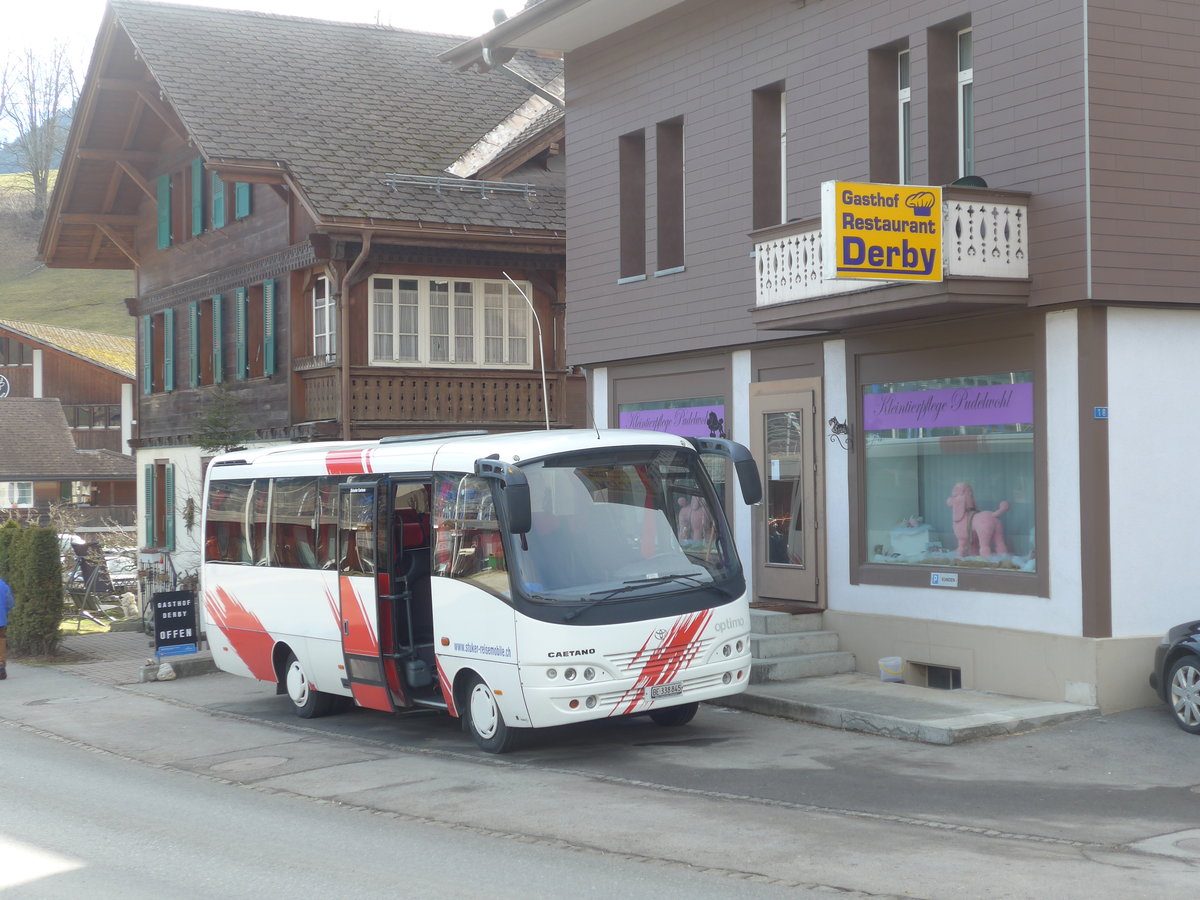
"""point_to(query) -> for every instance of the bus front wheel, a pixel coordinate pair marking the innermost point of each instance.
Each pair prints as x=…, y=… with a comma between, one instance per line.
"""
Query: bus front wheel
x=673, y=716
x=483, y=720
x=307, y=702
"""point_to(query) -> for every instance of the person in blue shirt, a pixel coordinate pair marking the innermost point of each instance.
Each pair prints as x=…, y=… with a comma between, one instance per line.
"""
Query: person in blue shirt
x=6, y=605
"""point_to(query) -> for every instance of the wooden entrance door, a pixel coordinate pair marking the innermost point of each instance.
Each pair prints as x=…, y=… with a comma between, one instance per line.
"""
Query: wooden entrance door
x=785, y=422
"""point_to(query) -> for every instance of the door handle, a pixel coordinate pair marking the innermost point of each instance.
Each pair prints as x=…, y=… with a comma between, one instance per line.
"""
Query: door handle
x=346, y=627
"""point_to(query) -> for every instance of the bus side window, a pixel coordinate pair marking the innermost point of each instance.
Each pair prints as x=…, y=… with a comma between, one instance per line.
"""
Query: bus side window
x=224, y=538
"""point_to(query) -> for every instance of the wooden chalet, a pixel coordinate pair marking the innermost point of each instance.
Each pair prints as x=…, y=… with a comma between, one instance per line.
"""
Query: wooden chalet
x=83, y=385
x=325, y=222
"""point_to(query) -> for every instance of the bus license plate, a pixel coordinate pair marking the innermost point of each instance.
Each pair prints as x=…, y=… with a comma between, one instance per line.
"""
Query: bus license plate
x=665, y=690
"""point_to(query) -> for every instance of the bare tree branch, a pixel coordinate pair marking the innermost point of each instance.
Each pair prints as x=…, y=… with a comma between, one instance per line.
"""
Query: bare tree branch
x=38, y=92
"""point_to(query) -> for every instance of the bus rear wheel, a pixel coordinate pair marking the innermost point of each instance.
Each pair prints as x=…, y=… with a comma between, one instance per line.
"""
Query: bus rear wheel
x=483, y=720
x=307, y=702
x=674, y=716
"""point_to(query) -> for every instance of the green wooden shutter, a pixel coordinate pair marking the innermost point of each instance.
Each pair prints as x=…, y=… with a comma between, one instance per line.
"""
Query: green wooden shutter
x=269, y=326
x=242, y=358
x=241, y=200
x=148, y=513
x=218, y=344
x=194, y=343
x=147, y=354
x=197, y=197
x=218, y=201
x=162, y=194
x=169, y=506
x=168, y=350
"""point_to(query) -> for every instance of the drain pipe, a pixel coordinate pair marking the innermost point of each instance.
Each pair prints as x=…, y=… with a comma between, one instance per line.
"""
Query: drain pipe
x=341, y=293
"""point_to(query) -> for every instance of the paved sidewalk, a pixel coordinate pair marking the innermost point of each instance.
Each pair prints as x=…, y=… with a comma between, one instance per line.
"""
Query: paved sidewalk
x=119, y=657
x=852, y=702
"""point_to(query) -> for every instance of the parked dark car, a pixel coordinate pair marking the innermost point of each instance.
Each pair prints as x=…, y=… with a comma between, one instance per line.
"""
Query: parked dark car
x=1176, y=675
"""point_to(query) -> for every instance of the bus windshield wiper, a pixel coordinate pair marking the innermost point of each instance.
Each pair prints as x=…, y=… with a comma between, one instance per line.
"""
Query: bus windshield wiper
x=597, y=597
x=649, y=581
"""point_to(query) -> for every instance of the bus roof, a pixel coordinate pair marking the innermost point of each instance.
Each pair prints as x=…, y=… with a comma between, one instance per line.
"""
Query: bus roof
x=445, y=452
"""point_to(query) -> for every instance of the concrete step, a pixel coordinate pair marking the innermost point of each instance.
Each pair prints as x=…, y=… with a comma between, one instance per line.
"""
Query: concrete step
x=809, y=665
x=766, y=647
x=769, y=621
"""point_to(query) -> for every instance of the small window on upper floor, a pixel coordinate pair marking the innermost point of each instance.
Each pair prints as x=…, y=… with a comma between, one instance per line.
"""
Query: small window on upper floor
x=631, y=173
x=324, y=320
x=769, y=156
x=670, y=172
x=889, y=96
x=950, y=113
x=966, y=111
x=904, y=114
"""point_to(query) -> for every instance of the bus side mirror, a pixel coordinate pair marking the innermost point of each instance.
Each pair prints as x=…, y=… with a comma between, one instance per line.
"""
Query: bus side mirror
x=743, y=464
x=513, y=495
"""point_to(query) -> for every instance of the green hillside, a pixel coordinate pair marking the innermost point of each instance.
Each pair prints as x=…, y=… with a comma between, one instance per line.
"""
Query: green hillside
x=88, y=299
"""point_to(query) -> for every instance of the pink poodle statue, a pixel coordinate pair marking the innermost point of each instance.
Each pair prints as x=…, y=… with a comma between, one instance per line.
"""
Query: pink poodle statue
x=976, y=529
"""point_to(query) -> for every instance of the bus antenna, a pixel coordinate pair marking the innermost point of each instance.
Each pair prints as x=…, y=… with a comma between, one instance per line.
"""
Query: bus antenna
x=541, y=350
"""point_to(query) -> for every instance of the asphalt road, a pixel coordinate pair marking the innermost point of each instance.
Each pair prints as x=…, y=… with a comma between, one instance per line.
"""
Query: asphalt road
x=1105, y=807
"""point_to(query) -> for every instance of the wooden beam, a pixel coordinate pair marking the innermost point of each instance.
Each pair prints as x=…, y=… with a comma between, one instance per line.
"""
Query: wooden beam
x=117, y=156
x=137, y=178
x=282, y=191
x=98, y=220
x=160, y=109
x=119, y=241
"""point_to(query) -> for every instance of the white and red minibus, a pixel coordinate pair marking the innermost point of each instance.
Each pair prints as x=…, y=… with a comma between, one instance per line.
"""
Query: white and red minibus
x=514, y=580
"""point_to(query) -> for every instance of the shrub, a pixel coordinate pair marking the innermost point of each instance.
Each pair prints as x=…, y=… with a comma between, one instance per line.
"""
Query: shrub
x=37, y=584
x=7, y=532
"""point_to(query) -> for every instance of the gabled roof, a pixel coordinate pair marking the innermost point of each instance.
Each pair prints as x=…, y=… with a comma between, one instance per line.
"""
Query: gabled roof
x=118, y=354
x=329, y=108
x=36, y=445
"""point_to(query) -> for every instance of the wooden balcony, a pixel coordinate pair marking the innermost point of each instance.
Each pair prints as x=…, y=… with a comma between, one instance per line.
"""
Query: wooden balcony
x=428, y=399
x=986, y=262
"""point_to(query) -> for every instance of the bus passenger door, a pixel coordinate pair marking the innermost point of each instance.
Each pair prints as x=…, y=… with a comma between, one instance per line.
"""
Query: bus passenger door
x=362, y=551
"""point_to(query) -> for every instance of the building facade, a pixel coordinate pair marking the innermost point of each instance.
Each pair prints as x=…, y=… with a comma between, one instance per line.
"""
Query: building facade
x=968, y=472
x=84, y=385
x=369, y=246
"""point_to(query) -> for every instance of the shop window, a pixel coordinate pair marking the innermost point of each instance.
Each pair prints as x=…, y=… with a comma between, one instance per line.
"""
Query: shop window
x=949, y=467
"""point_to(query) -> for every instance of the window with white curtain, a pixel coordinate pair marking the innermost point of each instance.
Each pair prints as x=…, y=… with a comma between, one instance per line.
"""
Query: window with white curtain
x=324, y=320
x=449, y=322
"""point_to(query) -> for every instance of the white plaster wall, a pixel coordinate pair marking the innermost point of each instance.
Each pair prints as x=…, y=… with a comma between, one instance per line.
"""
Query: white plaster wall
x=1058, y=614
x=1154, y=440
x=741, y=515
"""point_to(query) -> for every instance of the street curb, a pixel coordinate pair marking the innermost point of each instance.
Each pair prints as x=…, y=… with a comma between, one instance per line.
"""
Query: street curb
x=943, y=732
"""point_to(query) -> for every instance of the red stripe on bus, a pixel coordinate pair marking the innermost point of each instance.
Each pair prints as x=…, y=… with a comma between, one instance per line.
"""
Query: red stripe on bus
x=348, y=462
x=244, y=631
x=666, y=661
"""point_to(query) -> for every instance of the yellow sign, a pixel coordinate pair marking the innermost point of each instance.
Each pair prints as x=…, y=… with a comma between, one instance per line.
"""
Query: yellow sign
x=886, y=231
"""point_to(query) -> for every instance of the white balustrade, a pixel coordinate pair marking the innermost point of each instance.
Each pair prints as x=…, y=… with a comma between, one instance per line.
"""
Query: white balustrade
x=980, y=239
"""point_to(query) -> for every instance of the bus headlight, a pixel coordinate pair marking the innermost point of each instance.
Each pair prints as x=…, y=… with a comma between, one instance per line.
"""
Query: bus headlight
x=590, y=702
x=726, y=650
x=569, y=674
x=589, y=673
x=726, y=678
x=552, y=674
x=739, y=646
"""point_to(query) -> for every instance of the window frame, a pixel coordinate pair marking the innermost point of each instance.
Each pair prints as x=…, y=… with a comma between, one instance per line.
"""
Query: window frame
x=904, y=115
x=955, y=350
x=456, y=314
x=964, y=92
x=326, y=305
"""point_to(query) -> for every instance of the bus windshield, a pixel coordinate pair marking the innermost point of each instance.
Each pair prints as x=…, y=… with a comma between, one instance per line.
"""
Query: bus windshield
x=627, y=524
